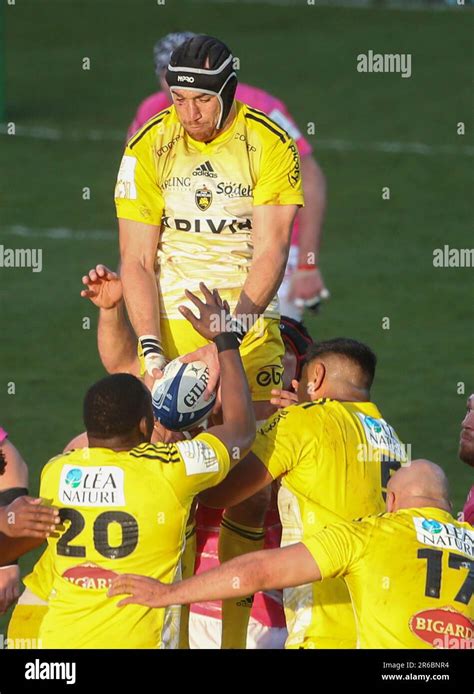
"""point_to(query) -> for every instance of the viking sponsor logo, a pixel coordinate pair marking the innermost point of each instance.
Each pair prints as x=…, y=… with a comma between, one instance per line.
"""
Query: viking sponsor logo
x=444, y=535
x=205, y=170
x=294, y=175
x=191, y=398
x=176, y=183
x=381, y=436
x=234, y=190
x=207, y=225
x=203, y=198
x=92, y=486
x=272, y=373
x=185, y=78
x=169, y=146
x=199, y=457
x=435, y=625
x=41, y=670
x=90, y=576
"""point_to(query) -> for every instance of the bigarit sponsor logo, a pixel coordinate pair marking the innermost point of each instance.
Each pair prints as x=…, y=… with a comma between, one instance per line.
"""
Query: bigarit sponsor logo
x=90, y=576
x=443, y=628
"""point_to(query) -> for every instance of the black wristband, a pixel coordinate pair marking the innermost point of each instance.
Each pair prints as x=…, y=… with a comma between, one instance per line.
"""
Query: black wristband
x=225, y=341
x=9, y=495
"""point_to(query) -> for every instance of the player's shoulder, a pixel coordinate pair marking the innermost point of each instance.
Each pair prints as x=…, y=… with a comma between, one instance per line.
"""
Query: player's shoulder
x=167, y=453
x=154, y=127
x=318, y=408
x=264, y=127
x=56, y=463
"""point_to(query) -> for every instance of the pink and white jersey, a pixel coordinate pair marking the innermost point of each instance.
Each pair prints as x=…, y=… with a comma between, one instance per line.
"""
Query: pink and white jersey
x=253, y=96
x=468, y=510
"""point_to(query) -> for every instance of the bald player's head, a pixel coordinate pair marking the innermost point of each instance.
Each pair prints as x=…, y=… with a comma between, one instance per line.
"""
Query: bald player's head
x=417, y=485
x=341, y=368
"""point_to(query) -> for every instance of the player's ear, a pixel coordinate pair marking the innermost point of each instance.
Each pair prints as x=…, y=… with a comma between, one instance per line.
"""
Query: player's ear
x=146, y=427
x=390, y=502
x=319, y=375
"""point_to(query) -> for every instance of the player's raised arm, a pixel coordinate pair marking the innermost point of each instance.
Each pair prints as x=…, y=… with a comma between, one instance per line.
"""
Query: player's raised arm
x=116, y=340
x=238, y=430
x=240, y=577
x=138, y=244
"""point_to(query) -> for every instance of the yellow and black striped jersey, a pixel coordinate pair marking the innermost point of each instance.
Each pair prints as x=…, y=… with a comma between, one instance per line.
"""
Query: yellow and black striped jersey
x=410, y=575
x=334, y=459
x=123, y=512
x=202, y=196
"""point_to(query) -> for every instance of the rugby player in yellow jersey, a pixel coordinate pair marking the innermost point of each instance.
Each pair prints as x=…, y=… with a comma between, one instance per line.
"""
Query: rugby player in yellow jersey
x=334, y=456
x=124, y=502
x=410, y=571
x=209, y=188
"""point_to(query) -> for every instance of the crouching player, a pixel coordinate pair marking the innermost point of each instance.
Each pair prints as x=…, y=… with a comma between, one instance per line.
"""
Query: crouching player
x=125, y=502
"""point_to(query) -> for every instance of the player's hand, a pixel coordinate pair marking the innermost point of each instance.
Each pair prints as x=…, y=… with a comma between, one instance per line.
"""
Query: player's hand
x=103, y=287
x=27, y=517
x=163, y=435
x=214, y=314
x=307, y=288
x=285, y=398
x=214, y=317
x=9, y=586
x=140, y=589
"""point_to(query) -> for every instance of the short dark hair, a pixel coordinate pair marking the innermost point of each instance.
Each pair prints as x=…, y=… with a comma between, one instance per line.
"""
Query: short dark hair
x=353, y=350
x=115, y=405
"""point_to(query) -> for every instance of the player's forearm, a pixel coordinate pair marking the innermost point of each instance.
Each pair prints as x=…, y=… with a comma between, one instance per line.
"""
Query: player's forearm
x=117, y=342
x=237, y=411
x=262, y=283
x=141, y=297
x=11, y=548
x=238, y=577
x=311, y=216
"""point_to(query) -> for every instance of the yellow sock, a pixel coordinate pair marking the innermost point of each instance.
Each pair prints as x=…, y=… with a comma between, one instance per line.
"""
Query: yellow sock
x=187, y=569
x=236, y=539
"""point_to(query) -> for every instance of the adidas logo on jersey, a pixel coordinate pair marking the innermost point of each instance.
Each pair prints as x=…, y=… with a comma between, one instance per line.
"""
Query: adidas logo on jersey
x=205, y=170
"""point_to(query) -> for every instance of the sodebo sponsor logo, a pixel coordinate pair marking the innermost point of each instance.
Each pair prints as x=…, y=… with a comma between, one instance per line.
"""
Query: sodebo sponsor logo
x=234, y=190
x=185, y=78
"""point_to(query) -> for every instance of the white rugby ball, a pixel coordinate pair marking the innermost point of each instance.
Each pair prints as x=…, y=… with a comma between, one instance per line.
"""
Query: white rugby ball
x=178, y=397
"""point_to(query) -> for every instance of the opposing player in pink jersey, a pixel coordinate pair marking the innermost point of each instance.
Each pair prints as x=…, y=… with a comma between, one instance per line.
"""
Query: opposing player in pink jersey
x=466, y=453
x=303, y=284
